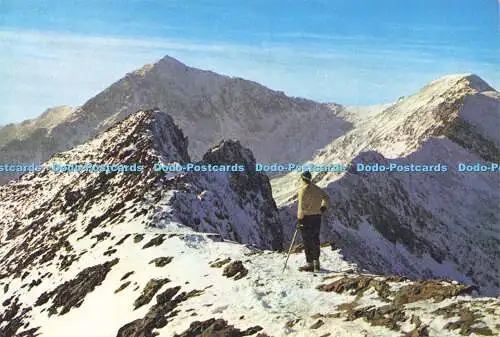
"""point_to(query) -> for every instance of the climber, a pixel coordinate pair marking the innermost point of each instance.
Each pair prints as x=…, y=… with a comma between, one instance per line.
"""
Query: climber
x=312, y=202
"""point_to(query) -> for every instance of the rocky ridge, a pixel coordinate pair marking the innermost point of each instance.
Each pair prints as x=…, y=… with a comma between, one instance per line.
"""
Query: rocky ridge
x=40, y=211
x=422, y=225
x=182, y=254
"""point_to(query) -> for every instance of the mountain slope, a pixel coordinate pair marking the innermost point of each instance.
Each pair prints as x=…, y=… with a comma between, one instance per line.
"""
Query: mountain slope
x=208, y=108
x=422, y=225
x=188, y=285
x=46, y=121
x=183, y=254
x=223, y=200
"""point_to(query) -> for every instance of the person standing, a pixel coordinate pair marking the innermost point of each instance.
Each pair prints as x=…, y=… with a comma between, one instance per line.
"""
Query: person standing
x=312, y=202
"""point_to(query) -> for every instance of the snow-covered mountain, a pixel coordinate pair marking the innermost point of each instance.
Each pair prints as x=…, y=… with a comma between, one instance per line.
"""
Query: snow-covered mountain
x=184, y=254
x=204, y=201
x=419, y=224
x=207, y=106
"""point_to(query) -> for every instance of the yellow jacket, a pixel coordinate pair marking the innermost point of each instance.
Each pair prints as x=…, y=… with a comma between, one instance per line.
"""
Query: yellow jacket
x=310, y=199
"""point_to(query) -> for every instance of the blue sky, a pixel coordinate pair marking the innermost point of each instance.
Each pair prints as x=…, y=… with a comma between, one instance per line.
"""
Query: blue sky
x=345, y=51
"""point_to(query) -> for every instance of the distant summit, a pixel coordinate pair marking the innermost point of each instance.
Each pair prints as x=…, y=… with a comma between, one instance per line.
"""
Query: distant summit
x=208, y=108
x=473, y=81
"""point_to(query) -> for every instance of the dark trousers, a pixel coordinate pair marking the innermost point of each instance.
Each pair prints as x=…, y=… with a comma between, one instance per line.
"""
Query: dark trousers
x=310, y=236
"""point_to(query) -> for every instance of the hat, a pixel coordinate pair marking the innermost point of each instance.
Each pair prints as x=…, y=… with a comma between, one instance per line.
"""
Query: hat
x=306, y=175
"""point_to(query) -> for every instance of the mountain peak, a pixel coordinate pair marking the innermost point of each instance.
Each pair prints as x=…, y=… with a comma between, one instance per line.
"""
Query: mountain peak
x=230, y=152
x=171, y=62
x=468, y=80
x=147, y=136
x=165, y=64
x=478, y=83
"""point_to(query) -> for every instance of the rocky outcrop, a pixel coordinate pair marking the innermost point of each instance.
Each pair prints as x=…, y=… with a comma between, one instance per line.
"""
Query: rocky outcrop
x=393, y=314
x=158, y=315
x=71, y=294
x=216, y=327
x=235, y=269
x=48, y=216
x=161, y=261
x=217, y=202
x=149, y=291
x=206, y=209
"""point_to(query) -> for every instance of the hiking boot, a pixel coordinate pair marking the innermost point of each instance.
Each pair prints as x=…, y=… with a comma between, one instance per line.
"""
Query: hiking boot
x=316, y=266
x=307, y=267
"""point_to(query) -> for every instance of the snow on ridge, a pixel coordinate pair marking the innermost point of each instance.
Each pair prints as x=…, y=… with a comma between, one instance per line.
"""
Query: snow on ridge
x=148, y=138
x=434, y=216
x=265, y=299
x=53, y=222
x=472, y=80
x=64, y=232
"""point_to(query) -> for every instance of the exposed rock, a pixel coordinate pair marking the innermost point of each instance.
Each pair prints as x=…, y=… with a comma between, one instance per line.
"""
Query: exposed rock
x=149, y=291
x=123, y=286
x=252, y=330
x=158, y=315
x=156, y=241
x=418, y=331
x=415, y=291
x=109, y=252
x=161, y=261
x=357, y=285
x=391, y=315
x=318, y=324
x=99, y=237
x=29, y=333
x=291, y=323
x=67, y=261
x=14, y=316
x=138, y=238
x=387, y=315
x=469, y=321
x=219, y=264
x=167, y=295
x=34, y=283
x=258, y=224
x=317, y=316
x=235, y=269
x=430, y=289
x=126, y=275
x=216, y=328
x=122, y=240
x=71, y=294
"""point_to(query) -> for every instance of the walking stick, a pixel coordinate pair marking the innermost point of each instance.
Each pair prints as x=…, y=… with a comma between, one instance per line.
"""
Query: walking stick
x=290, y=250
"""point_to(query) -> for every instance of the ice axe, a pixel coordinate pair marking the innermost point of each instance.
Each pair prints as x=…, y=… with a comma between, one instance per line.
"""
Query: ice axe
x=290, y=250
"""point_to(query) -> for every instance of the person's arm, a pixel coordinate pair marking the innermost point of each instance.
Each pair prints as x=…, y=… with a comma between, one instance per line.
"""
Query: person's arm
x=300, y=197
x=324, y=200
